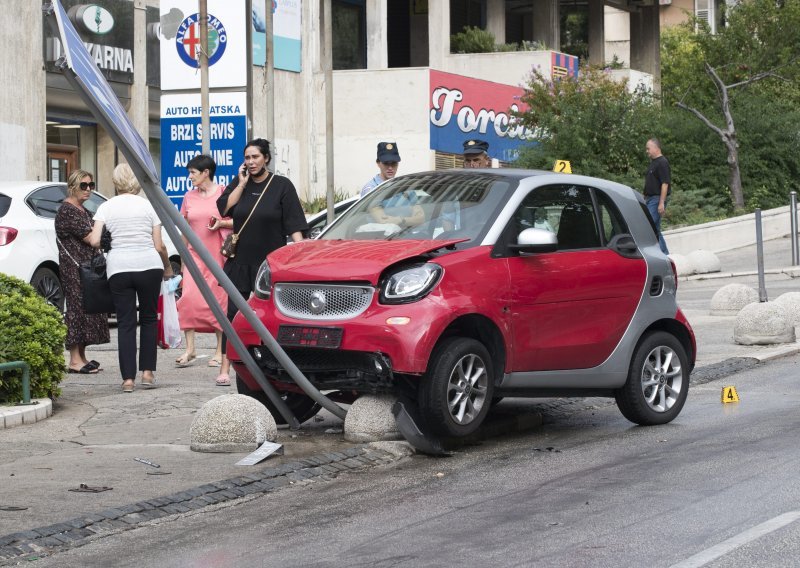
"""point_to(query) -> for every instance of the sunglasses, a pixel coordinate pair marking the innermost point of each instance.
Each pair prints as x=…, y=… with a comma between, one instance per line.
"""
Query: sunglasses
x=87, y=185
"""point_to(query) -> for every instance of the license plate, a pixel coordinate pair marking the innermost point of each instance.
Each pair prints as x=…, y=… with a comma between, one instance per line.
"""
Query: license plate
x=310, y=336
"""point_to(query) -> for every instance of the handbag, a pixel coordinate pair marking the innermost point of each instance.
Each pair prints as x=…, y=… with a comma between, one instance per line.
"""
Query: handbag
x=228, y=248
x=95, y=289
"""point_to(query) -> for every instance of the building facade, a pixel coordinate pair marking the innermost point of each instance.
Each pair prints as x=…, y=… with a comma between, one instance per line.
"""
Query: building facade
x=395, y=78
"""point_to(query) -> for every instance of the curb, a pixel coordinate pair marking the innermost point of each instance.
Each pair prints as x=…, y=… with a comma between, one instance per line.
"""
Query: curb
x=42, y=541
x=38, y=409
x=791, y=271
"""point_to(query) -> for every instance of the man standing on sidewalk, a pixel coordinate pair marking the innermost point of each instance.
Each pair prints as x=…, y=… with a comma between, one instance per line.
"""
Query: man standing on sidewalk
x=657, y=182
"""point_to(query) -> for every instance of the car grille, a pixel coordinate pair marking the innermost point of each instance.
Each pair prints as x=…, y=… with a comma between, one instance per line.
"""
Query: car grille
x=322, y=301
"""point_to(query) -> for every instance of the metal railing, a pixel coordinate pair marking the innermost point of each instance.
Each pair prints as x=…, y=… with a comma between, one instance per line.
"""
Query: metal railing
x=793, y=225
x=26, y=378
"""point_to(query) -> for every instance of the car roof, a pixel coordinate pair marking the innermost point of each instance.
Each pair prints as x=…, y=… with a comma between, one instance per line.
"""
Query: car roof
x=21, y=188
x=519, y=174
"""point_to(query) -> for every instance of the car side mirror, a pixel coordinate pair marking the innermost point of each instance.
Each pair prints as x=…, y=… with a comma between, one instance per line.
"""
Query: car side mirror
x=535, y=240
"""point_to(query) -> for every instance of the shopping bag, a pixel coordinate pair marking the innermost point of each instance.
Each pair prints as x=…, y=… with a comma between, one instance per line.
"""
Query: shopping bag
x=169, y=328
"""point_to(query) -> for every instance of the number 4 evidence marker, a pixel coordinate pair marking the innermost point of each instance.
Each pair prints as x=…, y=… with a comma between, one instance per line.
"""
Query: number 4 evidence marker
x=729, y=394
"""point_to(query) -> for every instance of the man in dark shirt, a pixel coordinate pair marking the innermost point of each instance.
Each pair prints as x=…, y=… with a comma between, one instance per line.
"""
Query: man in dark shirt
x=657, y=186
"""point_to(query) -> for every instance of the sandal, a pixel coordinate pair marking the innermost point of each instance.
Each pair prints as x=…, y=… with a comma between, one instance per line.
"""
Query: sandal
x=95, y=364
x=87, y=369
x=223, y=381
x=151, y=384
x=127, y=387
x=214, y=362
x=185, y=360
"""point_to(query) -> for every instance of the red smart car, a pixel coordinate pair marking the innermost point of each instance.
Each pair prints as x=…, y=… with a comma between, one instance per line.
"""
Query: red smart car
x=459, y=287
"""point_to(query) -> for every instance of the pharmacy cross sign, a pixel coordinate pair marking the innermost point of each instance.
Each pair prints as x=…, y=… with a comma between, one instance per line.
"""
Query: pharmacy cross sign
x=187, y=40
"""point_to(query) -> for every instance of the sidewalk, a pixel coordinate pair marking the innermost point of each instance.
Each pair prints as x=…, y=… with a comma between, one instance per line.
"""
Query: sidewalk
x=715, y=333
x=95, y=432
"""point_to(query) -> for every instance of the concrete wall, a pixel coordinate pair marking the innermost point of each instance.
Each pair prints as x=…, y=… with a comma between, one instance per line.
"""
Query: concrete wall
x=617, y=35
x=22, y=101
x=357, y=134
x=509, y=68
x=677, y=12
x=634, y=78
x=729, y=234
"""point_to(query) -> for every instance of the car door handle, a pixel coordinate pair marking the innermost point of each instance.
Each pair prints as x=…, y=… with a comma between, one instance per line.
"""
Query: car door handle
x=625, y=246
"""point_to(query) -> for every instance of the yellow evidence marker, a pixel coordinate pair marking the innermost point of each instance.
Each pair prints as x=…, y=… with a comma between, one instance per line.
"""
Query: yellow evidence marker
x=562, y=167
x=729, y=394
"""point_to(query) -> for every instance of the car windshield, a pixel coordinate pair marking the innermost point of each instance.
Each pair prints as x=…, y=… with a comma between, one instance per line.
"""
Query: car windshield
x=453, y=205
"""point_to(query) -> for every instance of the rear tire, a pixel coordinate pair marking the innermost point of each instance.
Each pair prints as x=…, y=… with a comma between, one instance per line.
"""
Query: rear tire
x=658, y=381
x=456, y=392
x=47, y=285
x=302, y=406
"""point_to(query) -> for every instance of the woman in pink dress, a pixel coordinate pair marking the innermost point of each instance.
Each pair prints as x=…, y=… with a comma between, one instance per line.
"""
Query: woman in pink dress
x=199, y=208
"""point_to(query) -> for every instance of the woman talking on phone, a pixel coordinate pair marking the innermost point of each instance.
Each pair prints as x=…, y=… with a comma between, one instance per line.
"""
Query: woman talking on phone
x=265, y=210
x=199, y=208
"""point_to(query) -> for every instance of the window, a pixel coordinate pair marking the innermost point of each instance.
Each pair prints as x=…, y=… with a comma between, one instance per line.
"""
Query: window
x=566, y=210
x=46, y=201
x=611, y=220
x=349, y=30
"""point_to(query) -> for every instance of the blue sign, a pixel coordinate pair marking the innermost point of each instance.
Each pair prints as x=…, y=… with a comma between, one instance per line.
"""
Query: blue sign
x=182, y=138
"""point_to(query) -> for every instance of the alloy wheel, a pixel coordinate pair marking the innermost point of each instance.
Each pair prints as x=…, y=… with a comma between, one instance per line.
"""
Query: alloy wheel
x=467, y=389
x=662, y=378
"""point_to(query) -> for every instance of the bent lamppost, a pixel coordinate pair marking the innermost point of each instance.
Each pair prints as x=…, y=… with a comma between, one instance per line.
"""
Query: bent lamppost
x=81, y=72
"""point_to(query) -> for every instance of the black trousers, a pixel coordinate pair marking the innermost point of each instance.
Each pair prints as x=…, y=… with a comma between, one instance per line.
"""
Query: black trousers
x=245, y=291
x=125, y=288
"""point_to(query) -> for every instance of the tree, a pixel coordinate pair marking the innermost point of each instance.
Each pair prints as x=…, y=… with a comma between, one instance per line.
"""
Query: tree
x=761, y=37
x=593, y=121
x=727, y=133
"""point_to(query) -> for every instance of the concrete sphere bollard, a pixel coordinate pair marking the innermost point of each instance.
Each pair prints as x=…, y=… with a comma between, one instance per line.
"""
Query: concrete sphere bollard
x=683, y=265
x=704, y=261
x=232, y=423
x=790, y=304
x=730, y=299
x=370, y=419
x=762, y=324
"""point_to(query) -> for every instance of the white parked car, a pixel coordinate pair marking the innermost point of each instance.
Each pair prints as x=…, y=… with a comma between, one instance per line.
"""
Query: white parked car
x=319, y=221
x=28, y=237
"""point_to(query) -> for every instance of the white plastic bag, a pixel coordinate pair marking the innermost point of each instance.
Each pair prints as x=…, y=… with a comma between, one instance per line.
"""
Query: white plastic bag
x=169, y=318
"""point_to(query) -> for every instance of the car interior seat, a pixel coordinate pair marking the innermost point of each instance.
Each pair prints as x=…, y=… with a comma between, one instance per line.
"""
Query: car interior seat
x=577, y=228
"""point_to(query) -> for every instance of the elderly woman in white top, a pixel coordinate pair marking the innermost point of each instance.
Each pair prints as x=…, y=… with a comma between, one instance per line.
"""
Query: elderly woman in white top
x=135, y=267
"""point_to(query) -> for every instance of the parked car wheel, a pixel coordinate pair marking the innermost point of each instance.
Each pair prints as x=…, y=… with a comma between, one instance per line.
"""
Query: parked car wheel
x=456, y=393
x=303, y=406
x=658, y=381
x=48, y=285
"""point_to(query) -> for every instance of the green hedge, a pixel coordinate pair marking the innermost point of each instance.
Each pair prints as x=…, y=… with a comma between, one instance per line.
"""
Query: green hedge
x=34, y=332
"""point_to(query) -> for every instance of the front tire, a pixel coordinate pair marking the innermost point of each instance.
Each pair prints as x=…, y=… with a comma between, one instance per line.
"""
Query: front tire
x=658, y=381
x=302, y=406
x=47, y=284
x=456, y=392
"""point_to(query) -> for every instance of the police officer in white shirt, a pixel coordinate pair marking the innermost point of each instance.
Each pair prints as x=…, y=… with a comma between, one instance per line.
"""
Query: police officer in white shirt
x=388, y=161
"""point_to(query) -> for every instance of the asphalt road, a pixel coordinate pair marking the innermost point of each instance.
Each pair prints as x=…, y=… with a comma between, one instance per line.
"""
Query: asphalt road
x=717, y=487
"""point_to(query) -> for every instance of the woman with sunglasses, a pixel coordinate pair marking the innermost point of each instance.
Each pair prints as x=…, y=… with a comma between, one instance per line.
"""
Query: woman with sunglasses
x=73, y=226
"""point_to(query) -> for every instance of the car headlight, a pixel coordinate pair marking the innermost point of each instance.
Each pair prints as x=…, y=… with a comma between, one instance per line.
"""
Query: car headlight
x=410, y=283
x=263, y=287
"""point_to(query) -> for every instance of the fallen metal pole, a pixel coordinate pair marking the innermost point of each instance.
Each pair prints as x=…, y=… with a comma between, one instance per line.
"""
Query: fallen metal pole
x=762, y=288
x=793, y=225
x=222, y=318
x=100, y=99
